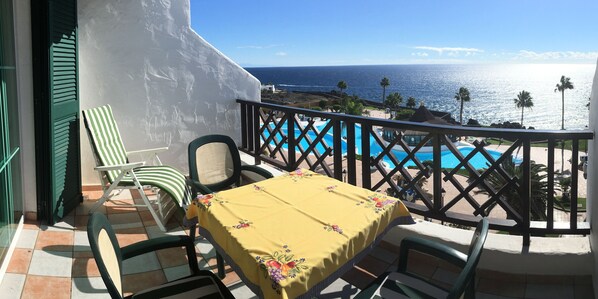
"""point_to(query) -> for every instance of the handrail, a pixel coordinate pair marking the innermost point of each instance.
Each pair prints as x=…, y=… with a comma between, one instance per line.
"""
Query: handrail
x=269, y=129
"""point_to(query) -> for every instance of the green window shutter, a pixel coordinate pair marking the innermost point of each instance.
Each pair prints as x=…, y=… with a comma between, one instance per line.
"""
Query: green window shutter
x=57, y=107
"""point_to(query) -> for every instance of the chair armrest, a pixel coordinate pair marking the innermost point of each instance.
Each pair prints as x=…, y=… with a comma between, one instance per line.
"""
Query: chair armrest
x=127, y=166
x=432, y=248
x=260, y=171
x=198, y=187
x=151, y=150
x=163, y=243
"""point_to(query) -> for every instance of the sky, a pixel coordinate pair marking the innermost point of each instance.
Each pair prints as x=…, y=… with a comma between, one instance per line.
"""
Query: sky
x=374, y=32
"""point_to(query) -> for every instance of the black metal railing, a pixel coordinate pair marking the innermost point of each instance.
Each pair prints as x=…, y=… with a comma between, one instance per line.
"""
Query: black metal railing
x=517, y=193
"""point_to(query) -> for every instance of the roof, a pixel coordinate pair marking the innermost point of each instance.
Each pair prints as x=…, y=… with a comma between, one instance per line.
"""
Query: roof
x=422, y=114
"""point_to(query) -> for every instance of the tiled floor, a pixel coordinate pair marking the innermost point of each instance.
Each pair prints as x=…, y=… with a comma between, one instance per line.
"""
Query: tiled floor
x=56, y=262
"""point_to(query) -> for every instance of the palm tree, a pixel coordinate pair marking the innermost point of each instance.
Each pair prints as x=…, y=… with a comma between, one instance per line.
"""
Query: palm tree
x=341, y=85
x=354, y=106
x=411, y=102
x=523, y=100
x=384, y=83
x=462, y=96
x=393, y=101
x=538, y=186
x=562, y=86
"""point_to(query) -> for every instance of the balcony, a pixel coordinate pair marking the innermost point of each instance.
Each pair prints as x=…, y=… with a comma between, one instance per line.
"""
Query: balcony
x=56, y=262
x=50, y=260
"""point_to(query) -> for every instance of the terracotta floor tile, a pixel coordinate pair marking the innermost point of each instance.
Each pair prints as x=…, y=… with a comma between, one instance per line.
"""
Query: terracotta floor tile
x=214, y=267
x=136, y=282
x=147, y=218
x=55, y=241
x=130, y=235
x=84, y=265
x=373, y=265
x=81, y=222
x=358, y=277
x=31, y=224
x=20, y=260
x=41, y=287
x=231, y=278
x=172, y=257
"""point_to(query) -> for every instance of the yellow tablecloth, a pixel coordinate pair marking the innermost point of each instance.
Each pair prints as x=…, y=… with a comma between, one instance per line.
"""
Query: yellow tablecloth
x=289, y=233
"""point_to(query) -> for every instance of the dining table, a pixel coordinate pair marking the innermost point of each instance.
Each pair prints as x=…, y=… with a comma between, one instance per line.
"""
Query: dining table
x=292, y=235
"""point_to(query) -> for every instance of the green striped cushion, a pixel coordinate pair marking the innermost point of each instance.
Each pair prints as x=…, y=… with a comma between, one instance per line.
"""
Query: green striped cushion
x=164, y=177
x=107, y=143
x=110, y=150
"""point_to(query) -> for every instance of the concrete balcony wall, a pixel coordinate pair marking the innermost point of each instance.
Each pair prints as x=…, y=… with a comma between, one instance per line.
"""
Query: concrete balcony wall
x=592, y=206
x=165, y=83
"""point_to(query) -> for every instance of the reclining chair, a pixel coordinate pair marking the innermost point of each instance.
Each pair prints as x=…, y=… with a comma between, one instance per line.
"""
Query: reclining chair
x=115, y=170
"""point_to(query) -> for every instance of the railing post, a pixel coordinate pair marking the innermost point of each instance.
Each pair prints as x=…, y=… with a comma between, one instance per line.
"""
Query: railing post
x=256, y=135
x=351, y=175
x=526, y=192
x=437, y=170
x=244, y=126
x=574, y=175
x=250, y=128
x=550, y=186
x=366, y=174
x=291, y=141
x=338, y=149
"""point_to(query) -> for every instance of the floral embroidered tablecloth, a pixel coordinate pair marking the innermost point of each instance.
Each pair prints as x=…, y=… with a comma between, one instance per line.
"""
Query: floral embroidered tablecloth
x=291, y=233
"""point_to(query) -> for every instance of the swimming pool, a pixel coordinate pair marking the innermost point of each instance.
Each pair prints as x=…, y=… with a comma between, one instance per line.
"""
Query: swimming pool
x=448, y=159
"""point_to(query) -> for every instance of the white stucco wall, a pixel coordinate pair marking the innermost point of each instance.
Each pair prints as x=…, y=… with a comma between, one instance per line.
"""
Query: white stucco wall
x=593, y=177
x=165, y=83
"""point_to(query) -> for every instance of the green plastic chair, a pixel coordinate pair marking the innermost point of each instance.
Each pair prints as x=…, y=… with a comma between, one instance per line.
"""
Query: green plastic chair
x=402, y=284
x=116, y=172
x=215, y=164
x=109, y=256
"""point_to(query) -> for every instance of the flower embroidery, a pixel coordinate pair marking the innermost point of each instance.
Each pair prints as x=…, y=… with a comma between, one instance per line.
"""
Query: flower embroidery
x=379, y=202
x=242, y=224
x=331, y=188
x=334, y=227
x=204, y=201
x=258, y=188
x=298, y=174
x=280, y=266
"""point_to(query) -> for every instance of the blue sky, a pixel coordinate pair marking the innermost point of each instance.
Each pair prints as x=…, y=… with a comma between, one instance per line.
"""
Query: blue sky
x=351, y=32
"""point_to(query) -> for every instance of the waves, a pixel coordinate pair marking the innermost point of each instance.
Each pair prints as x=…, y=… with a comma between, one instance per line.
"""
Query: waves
x=492, y=87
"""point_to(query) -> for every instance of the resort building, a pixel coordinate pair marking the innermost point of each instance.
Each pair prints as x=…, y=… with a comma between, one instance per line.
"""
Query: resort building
x=167, y=86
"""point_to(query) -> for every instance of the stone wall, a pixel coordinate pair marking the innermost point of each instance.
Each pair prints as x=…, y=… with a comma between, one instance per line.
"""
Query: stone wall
x=165, y=83
x=592, y=207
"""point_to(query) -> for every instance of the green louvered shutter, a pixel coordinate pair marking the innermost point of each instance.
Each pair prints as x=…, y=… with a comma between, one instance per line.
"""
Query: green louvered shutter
x=57, y=108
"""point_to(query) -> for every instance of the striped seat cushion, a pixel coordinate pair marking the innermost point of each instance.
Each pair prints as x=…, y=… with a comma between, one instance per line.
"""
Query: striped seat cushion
x=399, y=285
x=202, y=286
x=166, y=178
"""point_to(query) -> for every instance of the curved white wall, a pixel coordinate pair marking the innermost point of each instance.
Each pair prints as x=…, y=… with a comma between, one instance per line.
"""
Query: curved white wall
x=165, y=83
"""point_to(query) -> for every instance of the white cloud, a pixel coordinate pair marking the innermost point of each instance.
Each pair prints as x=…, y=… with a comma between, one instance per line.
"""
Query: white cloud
x=556, y=55
x=281, y=54
x=420, y=54
x=452, y=51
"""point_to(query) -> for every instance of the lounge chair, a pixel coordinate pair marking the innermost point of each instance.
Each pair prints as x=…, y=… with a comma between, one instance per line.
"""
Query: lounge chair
x=403, y=284
x=109, y=257
x=116, y=172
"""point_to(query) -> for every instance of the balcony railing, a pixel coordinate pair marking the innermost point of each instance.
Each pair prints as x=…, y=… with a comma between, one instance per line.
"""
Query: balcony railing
x=514, y=191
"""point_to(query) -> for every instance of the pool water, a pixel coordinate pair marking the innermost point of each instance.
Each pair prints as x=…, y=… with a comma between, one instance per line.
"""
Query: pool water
x=448, y=159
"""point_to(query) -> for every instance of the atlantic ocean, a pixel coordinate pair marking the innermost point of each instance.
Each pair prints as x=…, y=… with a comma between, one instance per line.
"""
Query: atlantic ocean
x=492, y=86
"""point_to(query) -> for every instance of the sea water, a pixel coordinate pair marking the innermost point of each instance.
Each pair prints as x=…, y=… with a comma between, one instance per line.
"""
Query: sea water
x=492, y=87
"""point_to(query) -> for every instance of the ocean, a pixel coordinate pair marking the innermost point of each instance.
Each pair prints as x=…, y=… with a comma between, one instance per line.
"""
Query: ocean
x=492, y=87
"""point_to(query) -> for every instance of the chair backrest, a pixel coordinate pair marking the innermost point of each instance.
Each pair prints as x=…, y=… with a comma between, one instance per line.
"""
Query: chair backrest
x=106, y=252
x=473, y=257
x=107, y=146
x=214, y=161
